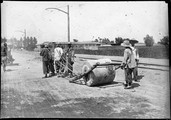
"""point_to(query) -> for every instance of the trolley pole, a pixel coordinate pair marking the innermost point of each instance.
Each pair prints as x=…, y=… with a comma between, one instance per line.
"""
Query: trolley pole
x=68, y=24
x=68, y=27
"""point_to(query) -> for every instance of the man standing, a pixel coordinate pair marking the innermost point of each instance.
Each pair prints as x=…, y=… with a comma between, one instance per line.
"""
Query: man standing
x=70, y=59
x=136, y=56
x=57, y=58
x=4, y=50
x=128, y=63
x=45, y=59
x=51, y=61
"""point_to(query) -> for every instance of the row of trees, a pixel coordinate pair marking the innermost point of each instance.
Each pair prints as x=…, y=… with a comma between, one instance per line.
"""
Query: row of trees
x=148, y=40
x=28, y=43
x=117, y=41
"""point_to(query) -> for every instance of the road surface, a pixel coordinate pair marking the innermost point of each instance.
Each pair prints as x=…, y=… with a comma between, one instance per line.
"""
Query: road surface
x=24, y=94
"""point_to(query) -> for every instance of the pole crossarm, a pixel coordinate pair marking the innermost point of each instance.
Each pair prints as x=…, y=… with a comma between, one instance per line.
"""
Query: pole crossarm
x=19, y=31
x=58, y=9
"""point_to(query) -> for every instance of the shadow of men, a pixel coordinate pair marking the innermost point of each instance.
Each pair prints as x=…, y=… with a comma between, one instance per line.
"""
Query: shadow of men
x=8, y=70
x=140, y=77
x=134, y=85
x=112, y=84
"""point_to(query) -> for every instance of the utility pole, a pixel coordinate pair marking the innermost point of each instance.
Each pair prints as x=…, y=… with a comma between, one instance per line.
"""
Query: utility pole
x=24, y=34
x=68, y=27
x=68, y=24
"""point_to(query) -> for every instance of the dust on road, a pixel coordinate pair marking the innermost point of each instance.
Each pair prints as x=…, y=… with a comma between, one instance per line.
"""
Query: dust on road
x=25, y=94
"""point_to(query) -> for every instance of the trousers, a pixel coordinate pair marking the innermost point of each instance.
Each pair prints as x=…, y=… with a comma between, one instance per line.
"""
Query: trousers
x=51, y=66
x=45, y=67
x=128, y=75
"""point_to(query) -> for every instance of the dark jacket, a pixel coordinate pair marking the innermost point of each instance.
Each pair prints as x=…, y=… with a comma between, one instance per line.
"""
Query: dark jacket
x=45, y=54
x=4, y=49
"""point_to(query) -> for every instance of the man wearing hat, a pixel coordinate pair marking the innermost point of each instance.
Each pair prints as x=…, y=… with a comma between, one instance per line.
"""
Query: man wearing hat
x=45, y=59
x=128, y=63
x=69, y=60
x=51, y=60
x=4, y=50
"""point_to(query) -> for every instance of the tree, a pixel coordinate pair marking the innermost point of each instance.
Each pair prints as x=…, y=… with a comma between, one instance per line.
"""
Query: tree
x=164, y=40
x=34, y=42
x=3, y=39
x=148, y=40
x=30, y=46
x=96, y=40
x=105, y=41
x=100, y=39
x=119, y=40
x=21, y=42
x=26, y=43
x=112, y=42
x=15, y=42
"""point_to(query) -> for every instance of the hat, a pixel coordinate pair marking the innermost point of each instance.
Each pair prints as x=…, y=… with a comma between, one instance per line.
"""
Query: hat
x=126, y=43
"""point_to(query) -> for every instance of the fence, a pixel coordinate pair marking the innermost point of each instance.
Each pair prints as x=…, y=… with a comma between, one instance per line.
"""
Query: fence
x=159, y=52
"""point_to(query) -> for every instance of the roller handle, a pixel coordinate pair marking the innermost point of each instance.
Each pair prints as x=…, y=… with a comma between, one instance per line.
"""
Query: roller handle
x=84, y=74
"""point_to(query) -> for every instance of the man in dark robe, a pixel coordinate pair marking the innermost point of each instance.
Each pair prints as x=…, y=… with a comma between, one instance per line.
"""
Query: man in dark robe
x=45, y=59
x=4, y=50
x=51, y=61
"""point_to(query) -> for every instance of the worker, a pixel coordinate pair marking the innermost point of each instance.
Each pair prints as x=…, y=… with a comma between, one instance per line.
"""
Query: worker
x=51, y=61
x=57, y=58
x=71, y=55
x=68, y=54
x=4, y=51
x=128, y=64
x=136, y=56
x=45, y=59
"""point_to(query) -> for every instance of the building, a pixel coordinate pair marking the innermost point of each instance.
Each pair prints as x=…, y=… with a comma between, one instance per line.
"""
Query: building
x=76, y=45
x=82, y=45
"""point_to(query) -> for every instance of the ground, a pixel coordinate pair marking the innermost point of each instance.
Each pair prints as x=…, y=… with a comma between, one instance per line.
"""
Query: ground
x=24, y=94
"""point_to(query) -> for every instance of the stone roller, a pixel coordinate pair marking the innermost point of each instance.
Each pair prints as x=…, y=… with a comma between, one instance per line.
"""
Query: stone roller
x=99, y=75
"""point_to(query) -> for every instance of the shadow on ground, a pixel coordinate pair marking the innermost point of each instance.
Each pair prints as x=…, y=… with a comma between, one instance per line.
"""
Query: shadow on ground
x=9, y=70
x=140, y=77
x=13, y=64
x=113, y=84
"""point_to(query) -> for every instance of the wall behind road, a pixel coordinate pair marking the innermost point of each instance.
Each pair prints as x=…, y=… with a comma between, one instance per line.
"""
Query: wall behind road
x=159, y=52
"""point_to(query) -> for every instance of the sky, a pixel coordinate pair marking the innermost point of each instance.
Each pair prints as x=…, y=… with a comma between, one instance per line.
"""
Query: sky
x=88, y=20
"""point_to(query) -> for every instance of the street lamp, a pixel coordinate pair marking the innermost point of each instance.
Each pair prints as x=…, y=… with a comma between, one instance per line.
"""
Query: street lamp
x=67, y=16
x=22, y=32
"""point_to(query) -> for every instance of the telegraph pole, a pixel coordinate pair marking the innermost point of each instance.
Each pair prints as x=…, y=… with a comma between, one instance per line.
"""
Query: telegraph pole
x=68, y=24
x=68, y=27
x=24, y=34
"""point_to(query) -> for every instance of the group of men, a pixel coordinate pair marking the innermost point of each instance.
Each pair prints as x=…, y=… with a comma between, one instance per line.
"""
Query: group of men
x=130, y=63
x=63, y=59
x=58, y=61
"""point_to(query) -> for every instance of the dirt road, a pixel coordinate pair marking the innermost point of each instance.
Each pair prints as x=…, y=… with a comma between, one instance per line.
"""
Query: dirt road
x=25, y=94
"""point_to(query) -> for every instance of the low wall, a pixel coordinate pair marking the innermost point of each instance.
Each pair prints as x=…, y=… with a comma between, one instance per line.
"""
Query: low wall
x=159, y=52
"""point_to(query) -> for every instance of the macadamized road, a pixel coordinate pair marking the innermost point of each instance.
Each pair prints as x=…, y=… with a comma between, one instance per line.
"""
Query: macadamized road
x=25, y=94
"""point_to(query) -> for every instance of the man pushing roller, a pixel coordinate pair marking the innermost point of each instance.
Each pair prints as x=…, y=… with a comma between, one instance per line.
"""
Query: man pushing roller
x=128, y=64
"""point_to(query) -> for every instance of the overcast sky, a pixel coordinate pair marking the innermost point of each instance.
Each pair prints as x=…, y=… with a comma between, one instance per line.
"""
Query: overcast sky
x=88, y=20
